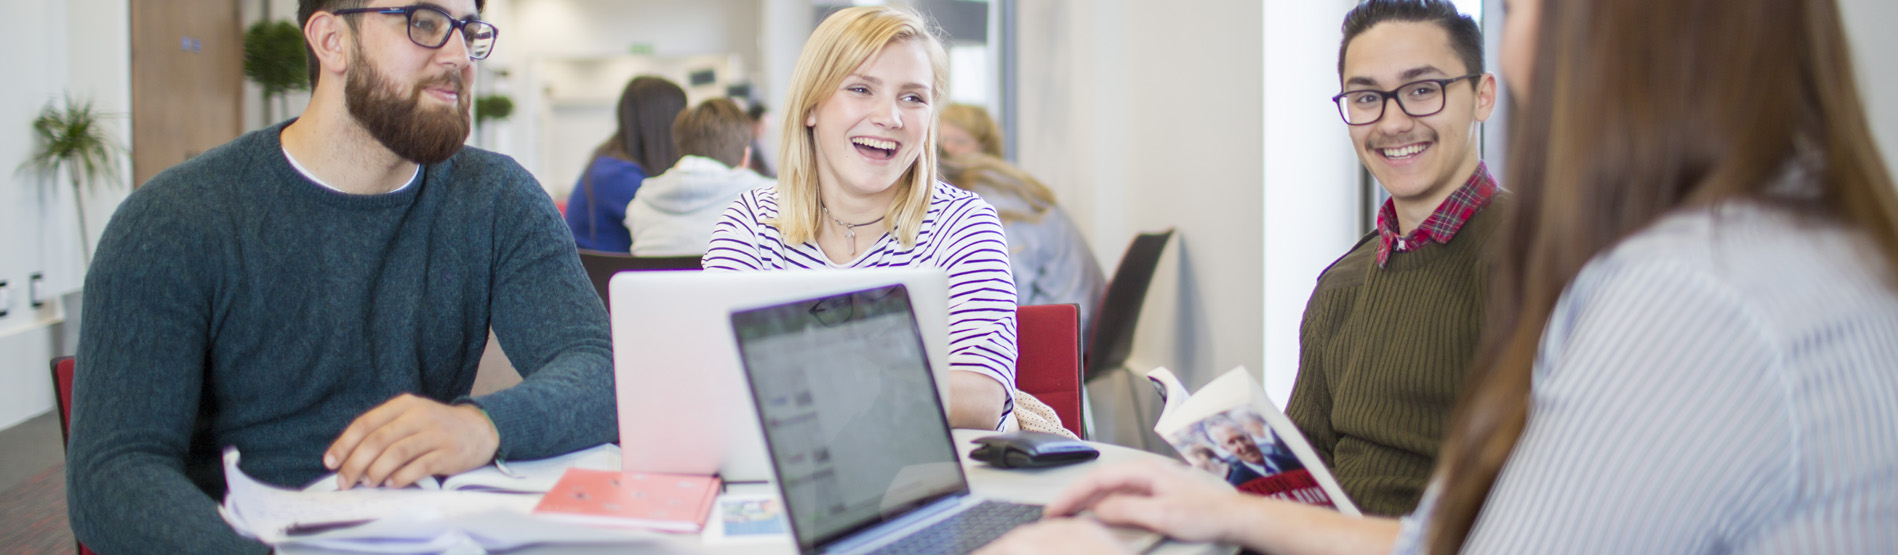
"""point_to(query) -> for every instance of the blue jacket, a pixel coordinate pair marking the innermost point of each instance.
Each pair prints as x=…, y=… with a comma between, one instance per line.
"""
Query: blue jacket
x=598, y=220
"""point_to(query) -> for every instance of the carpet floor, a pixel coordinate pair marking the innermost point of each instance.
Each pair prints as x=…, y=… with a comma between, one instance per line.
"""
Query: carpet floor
x=33, y=515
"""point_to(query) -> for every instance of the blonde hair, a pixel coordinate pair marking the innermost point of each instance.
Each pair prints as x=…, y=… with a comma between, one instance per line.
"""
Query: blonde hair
x=844, y=41
x=980, y=172
x=975, y=120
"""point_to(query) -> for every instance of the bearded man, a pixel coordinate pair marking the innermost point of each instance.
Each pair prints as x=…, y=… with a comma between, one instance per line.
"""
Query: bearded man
x=317, y=295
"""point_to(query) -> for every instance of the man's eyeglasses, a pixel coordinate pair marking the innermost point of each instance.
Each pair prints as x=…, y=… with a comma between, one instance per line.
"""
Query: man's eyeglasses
x=1417, y=98
x=429, y=27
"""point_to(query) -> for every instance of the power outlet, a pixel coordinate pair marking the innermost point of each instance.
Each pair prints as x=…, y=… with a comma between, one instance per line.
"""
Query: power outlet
x=36, y=289
x=6, y=298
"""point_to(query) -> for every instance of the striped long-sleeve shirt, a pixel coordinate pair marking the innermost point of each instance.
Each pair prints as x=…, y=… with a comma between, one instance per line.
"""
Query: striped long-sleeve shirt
x=960, y=234
x=1725, y=381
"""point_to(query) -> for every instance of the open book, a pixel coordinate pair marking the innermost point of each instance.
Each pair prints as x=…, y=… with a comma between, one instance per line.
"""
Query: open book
x=521, y=477
x=402, y=520
x=1231, y=429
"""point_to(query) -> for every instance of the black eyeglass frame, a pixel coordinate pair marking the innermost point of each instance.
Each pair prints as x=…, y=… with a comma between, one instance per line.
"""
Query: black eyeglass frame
x=1443, y=84
x=457, y=26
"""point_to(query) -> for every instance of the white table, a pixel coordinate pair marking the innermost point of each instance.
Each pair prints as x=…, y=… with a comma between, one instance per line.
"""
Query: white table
x=1037, y=486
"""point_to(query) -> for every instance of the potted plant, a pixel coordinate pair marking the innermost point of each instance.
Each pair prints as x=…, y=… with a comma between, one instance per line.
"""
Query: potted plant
x=74, y=138
x=274, y=58
x=491, y=107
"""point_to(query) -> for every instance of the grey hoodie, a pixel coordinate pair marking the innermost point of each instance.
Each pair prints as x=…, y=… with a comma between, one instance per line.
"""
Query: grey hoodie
x=674, y=212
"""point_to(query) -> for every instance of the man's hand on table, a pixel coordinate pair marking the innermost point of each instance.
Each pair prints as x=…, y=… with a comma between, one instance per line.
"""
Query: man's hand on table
x=409, y=437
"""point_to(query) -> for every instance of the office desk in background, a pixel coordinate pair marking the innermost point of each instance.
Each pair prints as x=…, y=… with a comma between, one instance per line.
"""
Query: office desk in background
x=1020, y=486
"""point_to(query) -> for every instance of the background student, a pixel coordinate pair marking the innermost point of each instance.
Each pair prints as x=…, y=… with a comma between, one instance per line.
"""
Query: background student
x=674, y=212
x=1051, y=261
x=857, y=188
x=968, y=129
x=1695, y=312
x=641, y=146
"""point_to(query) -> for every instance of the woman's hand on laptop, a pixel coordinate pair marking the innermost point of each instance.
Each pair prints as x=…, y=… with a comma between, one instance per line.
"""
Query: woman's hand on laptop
x=1060, y=535
x=409, y=437
x=1166, y=497
x=1187, y=504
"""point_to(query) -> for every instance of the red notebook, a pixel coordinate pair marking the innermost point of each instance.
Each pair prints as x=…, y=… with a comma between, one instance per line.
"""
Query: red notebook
x=669, y=502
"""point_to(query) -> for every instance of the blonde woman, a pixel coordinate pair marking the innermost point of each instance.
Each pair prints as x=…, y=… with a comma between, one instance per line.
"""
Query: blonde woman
x=858, y=189
x=1052, y=262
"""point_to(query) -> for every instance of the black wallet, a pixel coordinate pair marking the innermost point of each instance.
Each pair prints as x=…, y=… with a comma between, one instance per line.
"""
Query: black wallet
x=1031, y=450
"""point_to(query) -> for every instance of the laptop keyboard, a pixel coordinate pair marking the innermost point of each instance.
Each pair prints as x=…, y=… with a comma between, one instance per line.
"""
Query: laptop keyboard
x=965, y=531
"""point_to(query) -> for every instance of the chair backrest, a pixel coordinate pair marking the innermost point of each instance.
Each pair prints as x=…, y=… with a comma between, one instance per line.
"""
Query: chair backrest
x=1113, y=334
x=601, y=266
x=62, y=394
x=1048, y=363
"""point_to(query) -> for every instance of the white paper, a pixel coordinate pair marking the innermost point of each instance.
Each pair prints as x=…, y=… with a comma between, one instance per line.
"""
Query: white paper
x=406, y=520
x=534, y=476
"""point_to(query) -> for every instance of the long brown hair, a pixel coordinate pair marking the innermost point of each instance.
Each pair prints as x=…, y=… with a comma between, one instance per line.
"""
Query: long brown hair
x=646, y=109
x=1642, y=108
x=644, y=137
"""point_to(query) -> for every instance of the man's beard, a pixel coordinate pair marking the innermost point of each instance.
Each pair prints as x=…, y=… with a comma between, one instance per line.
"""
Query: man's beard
x=417, y=134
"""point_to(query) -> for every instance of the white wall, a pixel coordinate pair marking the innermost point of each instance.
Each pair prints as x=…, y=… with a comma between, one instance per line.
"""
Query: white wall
x=537, y=35
x=1142, y=117
x=50, y=51
x=1311, y=173
x=1868, y=24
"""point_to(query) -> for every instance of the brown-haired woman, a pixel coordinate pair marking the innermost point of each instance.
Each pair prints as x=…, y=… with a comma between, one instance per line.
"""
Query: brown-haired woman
x=1694, y=339
x=641, y=147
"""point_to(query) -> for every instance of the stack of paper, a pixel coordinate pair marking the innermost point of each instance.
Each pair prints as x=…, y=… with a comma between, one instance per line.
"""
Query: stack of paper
x=396, y=520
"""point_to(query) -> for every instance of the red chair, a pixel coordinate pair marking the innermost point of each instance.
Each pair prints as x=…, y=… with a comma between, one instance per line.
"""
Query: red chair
x=62, y=396
x=62, y=389
x=1048, y=366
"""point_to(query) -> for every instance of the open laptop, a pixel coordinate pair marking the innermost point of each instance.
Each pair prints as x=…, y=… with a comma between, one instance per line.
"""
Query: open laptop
x=684, y=407
x=855, y=431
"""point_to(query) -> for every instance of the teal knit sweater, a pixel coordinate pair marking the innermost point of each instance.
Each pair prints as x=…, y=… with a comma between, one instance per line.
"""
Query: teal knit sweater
x=235, y=303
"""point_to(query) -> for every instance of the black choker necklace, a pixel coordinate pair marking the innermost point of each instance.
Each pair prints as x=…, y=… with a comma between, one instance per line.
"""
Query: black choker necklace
x=850, y=230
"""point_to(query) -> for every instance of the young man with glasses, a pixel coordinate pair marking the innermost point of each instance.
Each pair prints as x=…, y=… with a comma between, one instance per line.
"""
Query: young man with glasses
x=317, y=295
x=1392, y=326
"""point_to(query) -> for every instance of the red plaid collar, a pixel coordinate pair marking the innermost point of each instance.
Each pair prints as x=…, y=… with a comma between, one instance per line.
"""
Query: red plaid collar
x=1442, y=224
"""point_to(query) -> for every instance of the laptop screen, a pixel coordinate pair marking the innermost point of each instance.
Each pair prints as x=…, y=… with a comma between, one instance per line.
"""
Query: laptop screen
x=849, y=410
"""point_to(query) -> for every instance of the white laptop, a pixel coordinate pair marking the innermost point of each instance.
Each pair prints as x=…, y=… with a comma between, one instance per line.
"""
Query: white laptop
x=684, y=407
x=864, y=458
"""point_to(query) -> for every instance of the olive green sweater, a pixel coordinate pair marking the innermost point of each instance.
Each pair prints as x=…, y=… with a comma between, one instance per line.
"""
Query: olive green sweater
x=1382, y=356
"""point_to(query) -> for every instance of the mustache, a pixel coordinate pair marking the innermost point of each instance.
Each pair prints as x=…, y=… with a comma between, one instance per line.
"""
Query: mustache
x=445, y=80
x=1400, y=140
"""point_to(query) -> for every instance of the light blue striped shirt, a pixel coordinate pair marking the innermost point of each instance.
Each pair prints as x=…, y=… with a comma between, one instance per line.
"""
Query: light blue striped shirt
x=960, y=234
x=1725, y=381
